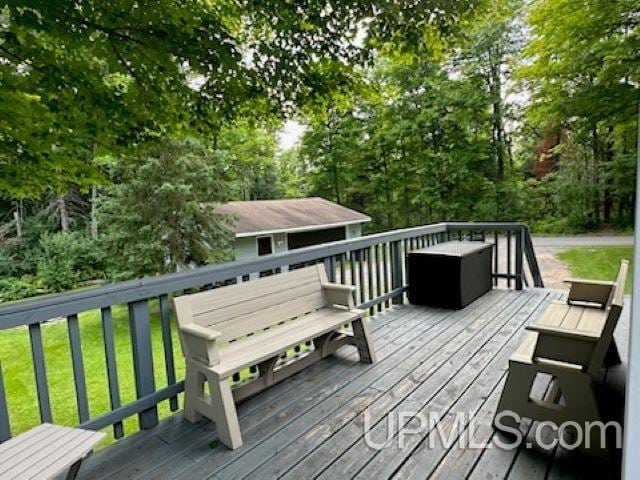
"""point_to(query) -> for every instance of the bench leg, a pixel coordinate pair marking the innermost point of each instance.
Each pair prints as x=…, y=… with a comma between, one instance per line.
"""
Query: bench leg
x=193, y=390
x=224, y=410
x=73, y=470
x=613, y=356
x=574, y=386
x=362, y=337
x=515, y=394
x=582, y=407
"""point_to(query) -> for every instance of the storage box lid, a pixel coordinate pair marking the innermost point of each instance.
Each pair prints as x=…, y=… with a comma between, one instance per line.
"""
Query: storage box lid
x=452, y=249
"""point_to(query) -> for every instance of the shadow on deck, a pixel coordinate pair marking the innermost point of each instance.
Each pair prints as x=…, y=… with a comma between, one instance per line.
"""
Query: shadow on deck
x=312, y=425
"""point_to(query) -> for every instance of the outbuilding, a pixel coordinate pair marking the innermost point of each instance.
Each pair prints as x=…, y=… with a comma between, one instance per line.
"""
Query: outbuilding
x=265, y=227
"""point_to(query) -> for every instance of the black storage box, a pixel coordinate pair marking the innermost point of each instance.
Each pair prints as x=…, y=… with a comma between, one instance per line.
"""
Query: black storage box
x=450, y=274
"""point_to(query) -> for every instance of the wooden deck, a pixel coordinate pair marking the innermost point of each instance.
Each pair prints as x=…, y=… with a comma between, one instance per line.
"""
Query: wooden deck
x=312, y=425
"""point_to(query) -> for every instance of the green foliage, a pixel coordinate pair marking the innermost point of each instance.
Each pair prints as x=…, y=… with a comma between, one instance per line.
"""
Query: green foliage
x=421, y=152
x=250, y=153
x=67, y=259
x=12, y=288
x=582, y=68
x=84, y=79
x=158, y=215
x=583, y=60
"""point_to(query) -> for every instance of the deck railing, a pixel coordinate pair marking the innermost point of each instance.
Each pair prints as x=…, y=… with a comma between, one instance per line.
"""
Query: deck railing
x=374, y=264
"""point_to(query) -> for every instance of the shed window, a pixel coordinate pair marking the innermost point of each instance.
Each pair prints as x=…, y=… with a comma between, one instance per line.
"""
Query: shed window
x=264, y=246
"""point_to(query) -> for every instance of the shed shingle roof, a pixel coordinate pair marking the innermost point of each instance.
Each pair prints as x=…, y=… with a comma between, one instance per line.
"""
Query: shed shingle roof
x=269, y=216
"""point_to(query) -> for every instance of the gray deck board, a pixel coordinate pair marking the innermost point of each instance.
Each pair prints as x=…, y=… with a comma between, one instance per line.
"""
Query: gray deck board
x=312, y=424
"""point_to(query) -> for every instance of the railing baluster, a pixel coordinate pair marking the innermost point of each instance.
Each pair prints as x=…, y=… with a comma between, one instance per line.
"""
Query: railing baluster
x=361, y=267
x=5, y=426
x=370, y=277
x=508, y=258
x=385, y=262
x=396, y=270
x=376, y=250
x=143, y=359
x=352, y=268
x=78, y=368
x=518, y=259
x=343, y=274
x=332, y=268
x=404, y=264
x=40, y=370
x=167, y=340
x=112, y=368
x=495, y=258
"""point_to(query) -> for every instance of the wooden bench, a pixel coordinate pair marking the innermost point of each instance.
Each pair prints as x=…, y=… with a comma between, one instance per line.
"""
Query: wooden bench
x=46, y=451
x=226, y=330
x=571, y=342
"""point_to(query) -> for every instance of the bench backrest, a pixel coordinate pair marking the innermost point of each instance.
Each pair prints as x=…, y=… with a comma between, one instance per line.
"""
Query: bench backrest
x=613, y=309
x=250, y=307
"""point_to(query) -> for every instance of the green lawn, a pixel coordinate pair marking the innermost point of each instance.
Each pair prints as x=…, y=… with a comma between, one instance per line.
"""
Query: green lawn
x=15, y=355
x=597, y=262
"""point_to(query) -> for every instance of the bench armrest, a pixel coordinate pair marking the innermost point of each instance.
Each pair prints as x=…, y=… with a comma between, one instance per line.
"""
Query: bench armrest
x=571, y=333
x=200, y=332
x=585, y=281
x=590, y=291
x=565, y=345
x=338, y=294
x=200, y=343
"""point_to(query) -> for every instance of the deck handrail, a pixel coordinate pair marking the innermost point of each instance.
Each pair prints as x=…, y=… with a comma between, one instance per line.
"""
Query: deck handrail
x=381, y=254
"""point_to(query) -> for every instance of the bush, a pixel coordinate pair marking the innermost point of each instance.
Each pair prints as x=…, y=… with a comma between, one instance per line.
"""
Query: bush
x=67, y=259
x=17, y=288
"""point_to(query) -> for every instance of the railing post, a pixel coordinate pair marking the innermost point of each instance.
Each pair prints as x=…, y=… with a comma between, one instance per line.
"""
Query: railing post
x=519, y=238
x=396, y=270
x=143, y=359
x=5, y=428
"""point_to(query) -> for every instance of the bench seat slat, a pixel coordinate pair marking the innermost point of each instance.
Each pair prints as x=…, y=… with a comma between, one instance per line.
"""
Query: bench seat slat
x=45, y=451
x=10, y=447
x=593, y=320
x=27, y=450
x=572, y=319
x=75, y=449
x=257, y=348
x=554, y=314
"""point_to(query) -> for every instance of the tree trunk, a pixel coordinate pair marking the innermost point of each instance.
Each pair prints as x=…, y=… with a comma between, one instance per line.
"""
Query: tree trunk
x=336, y=182
x=405, y=192
x=387, y=189
x=596, y=158
x=498, y=121
x=94, y=212
x=18, y=220
x=608, y=184
x=64, y=214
